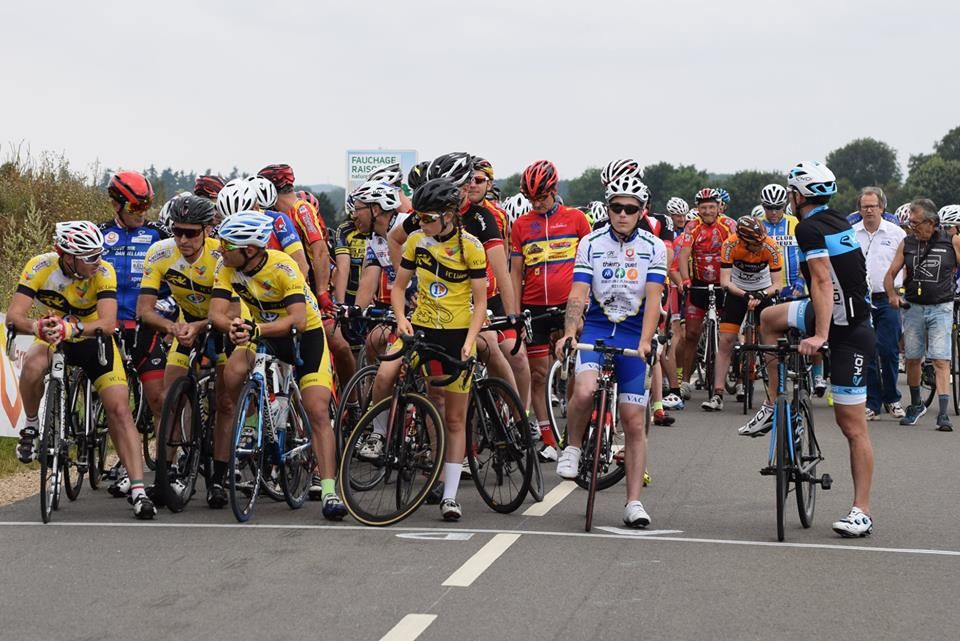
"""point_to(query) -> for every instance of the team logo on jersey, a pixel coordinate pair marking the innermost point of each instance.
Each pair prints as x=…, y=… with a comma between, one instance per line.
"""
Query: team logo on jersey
x=269, y=317
x=607, y=273
x=561, y=244
x=629, y=252
x=280, y=224
x=438, y=290
x=451, y=250
x=141, y=239
x=535, y=249
x=196, y=299
x=621, y=272
x=111, y=238
x=632, y=274
x=200, y=270
x=535, y=228
x=848, y=241
x=286, y=269
x=266, y=284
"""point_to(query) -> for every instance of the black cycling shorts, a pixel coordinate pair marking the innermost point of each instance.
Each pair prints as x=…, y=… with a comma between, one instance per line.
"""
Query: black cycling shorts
x=544, y=328
x=149, y=359
x=735, y=310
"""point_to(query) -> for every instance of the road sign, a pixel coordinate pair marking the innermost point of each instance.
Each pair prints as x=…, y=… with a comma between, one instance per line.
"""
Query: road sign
x=361, y=162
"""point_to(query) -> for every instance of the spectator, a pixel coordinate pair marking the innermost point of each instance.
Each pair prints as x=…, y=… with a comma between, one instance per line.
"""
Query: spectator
x=879, y=240
x=930, y=256
x=857, y=216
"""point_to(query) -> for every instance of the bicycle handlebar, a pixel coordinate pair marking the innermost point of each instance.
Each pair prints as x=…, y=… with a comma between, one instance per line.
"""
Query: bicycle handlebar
x=783, y=347
x=429, y=351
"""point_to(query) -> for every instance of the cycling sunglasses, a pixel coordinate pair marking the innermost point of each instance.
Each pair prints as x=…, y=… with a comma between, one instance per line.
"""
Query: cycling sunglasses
x=479, y=180
x=229, y=247
x=629, y=210
x=428, y=218
x=186, y=233
x=92, y=259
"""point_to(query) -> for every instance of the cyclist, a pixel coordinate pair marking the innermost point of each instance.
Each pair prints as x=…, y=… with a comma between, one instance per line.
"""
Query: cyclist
x=544, y=245
x=350, y=248
x=677, y=209
x=126, y=241
x=451, y=269
x=903, y=217
x=619, y=276
x=750, y=265
x=781, y=227
x=483, y=166
x=393, y=175
x=724, y=199
x=186, y=263
x=279, y=299
x=79, y=290
x=208, y=187
x=515, y=206
x=700, y=246
x=839, y=310
x=597, y=214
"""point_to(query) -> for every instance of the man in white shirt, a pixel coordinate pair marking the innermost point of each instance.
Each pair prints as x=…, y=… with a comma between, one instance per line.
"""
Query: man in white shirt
x=879, y=240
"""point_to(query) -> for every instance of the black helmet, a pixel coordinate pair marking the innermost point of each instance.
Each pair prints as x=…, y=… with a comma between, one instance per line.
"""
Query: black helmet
x=418, y=174
x=192, y=210
x=458, y=167
x=438, y=194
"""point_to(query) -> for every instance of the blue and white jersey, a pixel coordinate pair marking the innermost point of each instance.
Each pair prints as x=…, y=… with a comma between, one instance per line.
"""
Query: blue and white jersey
x=125, y=249
x=618, y=273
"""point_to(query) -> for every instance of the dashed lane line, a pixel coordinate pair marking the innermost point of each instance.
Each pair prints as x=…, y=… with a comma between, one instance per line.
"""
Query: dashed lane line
x=470, y=571
x=409, y=627
x=551, y=500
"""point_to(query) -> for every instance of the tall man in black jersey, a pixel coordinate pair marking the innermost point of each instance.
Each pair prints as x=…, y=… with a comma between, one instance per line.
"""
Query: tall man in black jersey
x=839, y=311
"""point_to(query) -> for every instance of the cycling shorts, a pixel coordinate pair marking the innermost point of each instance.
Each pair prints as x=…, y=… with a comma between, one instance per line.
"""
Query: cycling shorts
x=148, y=356
x=630, y=371
x=85, y=355
x=673, y=303
x=316, y=369
x=451, y=340
x=543, y=330
x=735, y=311
x=495, y=307
x=697, y=301
x=850, y=351
x=179, y=355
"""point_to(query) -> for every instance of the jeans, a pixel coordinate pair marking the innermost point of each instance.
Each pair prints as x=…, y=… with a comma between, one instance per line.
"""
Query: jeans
x=882, y=384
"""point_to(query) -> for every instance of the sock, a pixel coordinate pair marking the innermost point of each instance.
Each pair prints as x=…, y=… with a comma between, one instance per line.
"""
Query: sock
x=380, y=423
x=546, y=434
x=679, y=375
x=136, y=489
x=327, y=486
x=451, y=479
x=944, y=399
x=657, y=406
x=818, y=369
x=219, y=471
x=32, y=424
x=914, y=395
x=718, y=392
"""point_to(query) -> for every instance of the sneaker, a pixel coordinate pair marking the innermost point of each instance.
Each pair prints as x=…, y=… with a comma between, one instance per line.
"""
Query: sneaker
x=740, y=392
x=121, y=487
x=547, y=453
x=914, y=412
x=25, y=448
x=635, y=516
x=856, y=523
x=660, y=417
x=943, y=423
x=672, y=402
x=819, y=385
x=316, y=491
x=714, y=404
x=450, y=510
x=685, y=390
x=143, y=508
x=216, y=497
x=333, y=508
x=761, y=423
x=568, y=464
x=870, y=414
x=896, y=410
x=373, y=447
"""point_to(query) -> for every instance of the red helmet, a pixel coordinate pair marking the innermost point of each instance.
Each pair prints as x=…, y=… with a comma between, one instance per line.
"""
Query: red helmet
x=280, y=175
x=130, y=188
x=310, y=198
x=208, y=186
x=707, y=193
x=538, y=179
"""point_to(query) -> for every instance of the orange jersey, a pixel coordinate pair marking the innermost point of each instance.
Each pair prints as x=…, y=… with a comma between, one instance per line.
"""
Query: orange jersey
x=751, y=271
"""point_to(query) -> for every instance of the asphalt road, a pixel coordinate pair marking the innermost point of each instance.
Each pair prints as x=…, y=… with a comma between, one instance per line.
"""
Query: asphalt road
x=709, y=566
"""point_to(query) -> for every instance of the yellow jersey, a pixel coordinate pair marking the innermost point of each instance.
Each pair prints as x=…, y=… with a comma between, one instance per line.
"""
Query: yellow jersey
x=44, y=281
x=191, y=284
x=267, y=292
x=444, y=291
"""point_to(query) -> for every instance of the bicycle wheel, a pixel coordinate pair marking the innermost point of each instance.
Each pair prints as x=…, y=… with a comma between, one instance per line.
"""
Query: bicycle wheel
x=611, y=467
x=49, y=454
x=178, y=445
x=556, y=398
x=97, y=445
x=498, y=445
x=710, y=357
x=536, y=478
x=807, y=455
x=298, y=458
x=955, y=368
x=388, y=489
x=783, y=464
x=592, y=453
x=246, y=454
x=928, y=382
x=356, y=397
x=74, y=448
x=147, y=433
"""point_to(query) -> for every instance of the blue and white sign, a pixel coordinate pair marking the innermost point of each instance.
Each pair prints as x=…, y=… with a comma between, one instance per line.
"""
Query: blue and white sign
x=361, y=162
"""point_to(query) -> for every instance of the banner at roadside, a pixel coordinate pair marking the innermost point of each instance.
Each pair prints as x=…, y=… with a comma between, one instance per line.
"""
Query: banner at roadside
x=361, y=162
x=12, y=416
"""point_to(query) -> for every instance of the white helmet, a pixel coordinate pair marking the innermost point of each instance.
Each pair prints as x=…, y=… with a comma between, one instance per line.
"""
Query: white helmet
x=950, y=216
x=78, y=238
x=810, y=178
x=628, y=185
x=619, y=168
x=758, y=212
x=237, y=195
x=598, y=211
x=246, y=229
x=903, y=213
x=693, y=214
x=774, y=196
x=677, y=206
x=349, y=205
x=381, y=193
x=266, y=191
x=387, y=174
x=516, y=206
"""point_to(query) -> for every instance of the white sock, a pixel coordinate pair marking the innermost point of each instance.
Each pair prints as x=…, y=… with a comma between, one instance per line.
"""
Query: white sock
x=451, y=479
x=380, y=423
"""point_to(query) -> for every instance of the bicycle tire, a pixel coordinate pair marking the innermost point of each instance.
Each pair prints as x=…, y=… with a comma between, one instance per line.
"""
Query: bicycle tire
x=928, y=383
x=556, y=388
x=503, y=476
x=246, y=456
x=955, y=366
x=298, y=458
x=537, y=489
x=349, y=412
x=807, y=454
x=49, y=454
x=74, y=448
x=414, y=451
x=613, y=470
x=710, y=359
x=783, y=465
x=147, y=433
x=177, y=446
x=97, y=452
x=592, y=453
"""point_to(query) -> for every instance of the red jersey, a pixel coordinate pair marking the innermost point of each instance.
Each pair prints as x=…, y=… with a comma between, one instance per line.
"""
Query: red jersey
x=548, y=247
x=705, y=242
x=309, y=223
x=502, y=219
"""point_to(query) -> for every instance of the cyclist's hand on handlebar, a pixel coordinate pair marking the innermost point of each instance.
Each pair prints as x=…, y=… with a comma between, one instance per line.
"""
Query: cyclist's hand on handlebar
x=645, y=347
x=467, y=350
x=567, y=338
x=404, y=326
x=186, y=333
x=810, y=346
x=239, y=332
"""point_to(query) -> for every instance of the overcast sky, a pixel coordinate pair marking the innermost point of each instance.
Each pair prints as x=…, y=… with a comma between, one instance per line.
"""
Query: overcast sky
x=723, y=85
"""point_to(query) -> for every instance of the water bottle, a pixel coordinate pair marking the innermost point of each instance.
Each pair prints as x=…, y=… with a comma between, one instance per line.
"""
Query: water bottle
x=279, y=407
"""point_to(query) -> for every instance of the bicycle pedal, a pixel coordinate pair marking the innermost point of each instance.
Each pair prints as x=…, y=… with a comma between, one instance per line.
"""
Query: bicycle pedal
x=768, y=471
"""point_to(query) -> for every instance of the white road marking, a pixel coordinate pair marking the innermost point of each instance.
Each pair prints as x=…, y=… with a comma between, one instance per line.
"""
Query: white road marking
x=409, y=627
x=635, y=532
x=437, y=536
x=484, y=558
x=394, y=529
x=551, y=500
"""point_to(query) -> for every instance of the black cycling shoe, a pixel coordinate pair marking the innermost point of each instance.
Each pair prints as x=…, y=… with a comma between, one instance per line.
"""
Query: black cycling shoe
x=435, y=495
x=144, y=509
x=25, y=447
x=216, y=497
x=120, y=488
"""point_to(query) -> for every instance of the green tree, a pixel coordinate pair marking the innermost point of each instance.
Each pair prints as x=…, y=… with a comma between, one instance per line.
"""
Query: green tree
x=866, y=161
x=585, y=188
x=744, y=187
x=949, y=146
x=937, y=179
x=684, y=182
x=655, y=178
x=509, y=186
